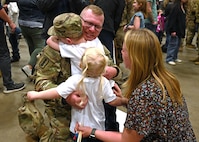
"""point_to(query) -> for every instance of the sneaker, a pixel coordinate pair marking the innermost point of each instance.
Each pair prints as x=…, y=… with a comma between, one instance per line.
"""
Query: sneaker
x=14, y=88
x=171, y=63
x=27, y=70
x=178, y=61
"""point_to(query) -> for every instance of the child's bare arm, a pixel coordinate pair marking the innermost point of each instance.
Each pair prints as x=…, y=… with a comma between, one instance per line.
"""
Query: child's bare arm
x=53, y=42
x=46, y=94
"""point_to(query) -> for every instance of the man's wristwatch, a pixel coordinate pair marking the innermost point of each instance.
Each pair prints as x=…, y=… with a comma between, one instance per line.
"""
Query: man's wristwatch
x=92, y=135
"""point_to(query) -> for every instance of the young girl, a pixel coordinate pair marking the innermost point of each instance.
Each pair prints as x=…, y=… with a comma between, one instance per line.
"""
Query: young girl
x=160, y=26
x=137, y=21
x=91, y=84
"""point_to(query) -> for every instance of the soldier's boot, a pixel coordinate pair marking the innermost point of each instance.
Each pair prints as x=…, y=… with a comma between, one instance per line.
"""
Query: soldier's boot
x=31, y=120
x=195, y=60
x=190, y=46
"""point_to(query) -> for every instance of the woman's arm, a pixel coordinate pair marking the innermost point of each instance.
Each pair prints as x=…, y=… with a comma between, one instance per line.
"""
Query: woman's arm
x=108, y=136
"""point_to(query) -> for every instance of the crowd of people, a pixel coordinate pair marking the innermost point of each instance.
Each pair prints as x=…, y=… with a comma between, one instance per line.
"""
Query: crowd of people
x=75, y=73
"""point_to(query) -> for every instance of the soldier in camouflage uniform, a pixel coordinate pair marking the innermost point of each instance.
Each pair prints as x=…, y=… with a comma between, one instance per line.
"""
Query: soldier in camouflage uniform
x=196, y=3
x=118, y=41
x=51, y=70
x=191, y=23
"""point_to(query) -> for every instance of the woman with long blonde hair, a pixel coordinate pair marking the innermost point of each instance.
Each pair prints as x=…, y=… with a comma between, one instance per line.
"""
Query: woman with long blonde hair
x=156, y=109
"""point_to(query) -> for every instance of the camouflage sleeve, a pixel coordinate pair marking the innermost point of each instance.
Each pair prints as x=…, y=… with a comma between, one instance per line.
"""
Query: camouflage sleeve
x=48, y=70
x=111, y=63
x=197, y=11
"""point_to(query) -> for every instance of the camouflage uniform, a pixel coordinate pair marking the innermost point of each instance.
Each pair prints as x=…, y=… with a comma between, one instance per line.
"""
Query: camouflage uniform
x=51, y=70
x=191, y=22
x=118, y=41
x=126, y=17
x=197, y=22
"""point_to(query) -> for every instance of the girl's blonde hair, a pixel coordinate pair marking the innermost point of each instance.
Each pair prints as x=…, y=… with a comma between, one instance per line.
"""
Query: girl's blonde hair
x=93, y=63
x=145, y=54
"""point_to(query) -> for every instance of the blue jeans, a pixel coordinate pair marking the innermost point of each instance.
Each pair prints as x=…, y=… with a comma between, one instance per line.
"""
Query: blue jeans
x=172, y=48
x=5, y=64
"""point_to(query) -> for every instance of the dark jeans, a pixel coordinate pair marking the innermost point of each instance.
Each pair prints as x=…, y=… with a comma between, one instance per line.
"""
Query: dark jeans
x=107, y=38
x=110, y=118
x=151, y=27
x=5, y=65
x=14, y=41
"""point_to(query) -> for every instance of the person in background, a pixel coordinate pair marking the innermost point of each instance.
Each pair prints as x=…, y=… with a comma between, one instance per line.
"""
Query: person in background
x=168, y=5
x=191, y=25
x=13, y=12
x=118, y=40
x=137, y=21
x=51, y=10
x=151, y=21
x=154, y=94
x=31, y=23
x=196, y=60
x=113, y=11
x=176, y=28
x=160, y=25
x=5, y=61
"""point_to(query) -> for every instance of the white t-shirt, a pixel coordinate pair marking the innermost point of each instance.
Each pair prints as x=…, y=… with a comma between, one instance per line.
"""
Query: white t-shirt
x=93, y=114
x=75, y=52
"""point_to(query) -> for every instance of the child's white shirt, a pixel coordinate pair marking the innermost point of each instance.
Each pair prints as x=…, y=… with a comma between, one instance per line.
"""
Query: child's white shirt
x=75, y=52
x=93, y=114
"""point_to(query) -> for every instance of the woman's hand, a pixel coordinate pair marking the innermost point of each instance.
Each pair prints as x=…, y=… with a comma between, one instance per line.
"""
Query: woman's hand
x=117, y=91
x=86, y=131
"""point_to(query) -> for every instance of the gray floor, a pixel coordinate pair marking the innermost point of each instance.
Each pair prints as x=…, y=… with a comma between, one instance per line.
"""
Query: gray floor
x=186, y=72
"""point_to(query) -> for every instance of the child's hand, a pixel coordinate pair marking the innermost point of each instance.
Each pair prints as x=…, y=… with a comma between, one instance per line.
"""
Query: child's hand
x=125, y=28
x=54, y=38
x=31, y=94
x=53, y=42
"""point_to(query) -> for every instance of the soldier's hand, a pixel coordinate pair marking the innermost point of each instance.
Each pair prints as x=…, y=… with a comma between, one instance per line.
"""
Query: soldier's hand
x=75, y=100
x=110, y=72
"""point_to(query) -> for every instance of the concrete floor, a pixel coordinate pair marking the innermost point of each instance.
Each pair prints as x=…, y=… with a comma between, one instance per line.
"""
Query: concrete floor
x=186, y=72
